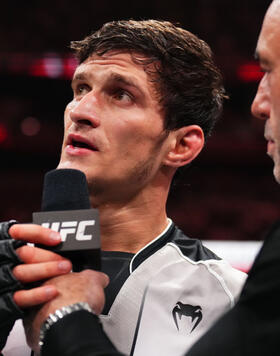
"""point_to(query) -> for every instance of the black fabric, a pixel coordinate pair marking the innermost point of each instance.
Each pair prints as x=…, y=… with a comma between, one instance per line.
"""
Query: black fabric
x=116, y=266
x=7, y=252
x=4, y=229
x=9, y=259
x=79, y=333
x=148, y=251
x=9, y=311
x=192, y=248
x=252, y=327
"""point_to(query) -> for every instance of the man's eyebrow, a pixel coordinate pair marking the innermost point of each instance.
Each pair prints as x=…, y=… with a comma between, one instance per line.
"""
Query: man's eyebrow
x=115, y=77
x=261, y=59
x=112, y=77
x=78, y=76
x=126, y=81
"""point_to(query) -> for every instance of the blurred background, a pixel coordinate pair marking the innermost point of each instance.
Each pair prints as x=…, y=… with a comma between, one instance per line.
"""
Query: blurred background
x=227, y=194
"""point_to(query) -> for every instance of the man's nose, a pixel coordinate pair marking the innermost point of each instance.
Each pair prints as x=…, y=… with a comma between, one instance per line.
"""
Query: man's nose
x=260, y=107
x=83, y=111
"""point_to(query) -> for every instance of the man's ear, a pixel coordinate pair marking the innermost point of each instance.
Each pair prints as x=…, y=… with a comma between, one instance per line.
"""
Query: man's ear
x=185, y=144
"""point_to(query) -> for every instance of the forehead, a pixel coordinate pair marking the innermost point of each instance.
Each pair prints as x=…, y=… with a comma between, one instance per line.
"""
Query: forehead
x=268, y=46
x=123, y=63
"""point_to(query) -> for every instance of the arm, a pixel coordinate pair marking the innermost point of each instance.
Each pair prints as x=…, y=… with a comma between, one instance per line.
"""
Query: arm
x=20, y=265
x=71, y=331
x=36, y=264
x=79, y=333
x=9, y=311
x=252, y=326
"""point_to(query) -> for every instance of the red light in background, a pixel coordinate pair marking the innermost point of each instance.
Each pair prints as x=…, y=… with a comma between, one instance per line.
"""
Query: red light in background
x=3, y=133
x=49, y=66
x=249, y=72
x=69, y=66
x=53, y=66
x=37, y=69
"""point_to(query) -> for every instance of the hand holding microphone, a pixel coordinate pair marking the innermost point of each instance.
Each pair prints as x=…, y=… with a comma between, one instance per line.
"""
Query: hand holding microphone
x=21, y=264
x=80, y=243
x=63, y=190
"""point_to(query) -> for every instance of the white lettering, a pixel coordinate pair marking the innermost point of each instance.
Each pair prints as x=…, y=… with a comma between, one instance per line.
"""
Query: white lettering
x=81, y=230
x=67, y=227
x=70, y=227
x=54, y=226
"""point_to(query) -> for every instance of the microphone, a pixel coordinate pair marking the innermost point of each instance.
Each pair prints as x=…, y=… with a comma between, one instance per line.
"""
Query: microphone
x=66, y=209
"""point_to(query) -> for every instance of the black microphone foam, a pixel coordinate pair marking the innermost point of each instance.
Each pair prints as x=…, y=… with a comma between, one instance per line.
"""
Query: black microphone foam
x=65, y=189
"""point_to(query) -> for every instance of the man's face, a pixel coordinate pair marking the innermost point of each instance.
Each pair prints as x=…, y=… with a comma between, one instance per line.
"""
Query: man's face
x=266, y=104
x=114, y=128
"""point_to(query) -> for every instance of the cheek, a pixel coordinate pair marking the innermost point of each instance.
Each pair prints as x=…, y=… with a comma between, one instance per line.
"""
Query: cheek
x=142, y=128
x=67, y=120
x=276, y=107
x=133, y=140
x=275, y=94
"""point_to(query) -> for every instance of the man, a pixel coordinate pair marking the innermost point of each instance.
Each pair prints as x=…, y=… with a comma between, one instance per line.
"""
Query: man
x=252, y=326
x=146, y=94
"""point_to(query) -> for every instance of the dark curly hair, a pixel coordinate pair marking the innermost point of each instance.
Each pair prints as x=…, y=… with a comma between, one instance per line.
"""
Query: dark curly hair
x=187, y=82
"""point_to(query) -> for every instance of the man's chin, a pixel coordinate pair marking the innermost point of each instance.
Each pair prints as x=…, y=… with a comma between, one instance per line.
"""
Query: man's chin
x=69, y=165
x=62, y=165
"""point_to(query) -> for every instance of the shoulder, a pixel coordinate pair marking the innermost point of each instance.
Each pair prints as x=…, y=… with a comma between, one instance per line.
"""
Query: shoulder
x=193, y=252
x=192, y=248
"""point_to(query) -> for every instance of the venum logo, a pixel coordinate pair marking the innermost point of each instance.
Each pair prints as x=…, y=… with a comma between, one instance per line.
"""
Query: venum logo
x=72, y=227
x=187, y=310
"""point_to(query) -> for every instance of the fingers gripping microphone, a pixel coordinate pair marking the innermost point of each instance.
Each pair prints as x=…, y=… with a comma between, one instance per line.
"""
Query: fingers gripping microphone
x=66, y=209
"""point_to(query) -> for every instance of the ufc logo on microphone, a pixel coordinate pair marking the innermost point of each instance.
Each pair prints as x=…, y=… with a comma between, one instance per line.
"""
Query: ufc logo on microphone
x=79, y=229
x=71, y=227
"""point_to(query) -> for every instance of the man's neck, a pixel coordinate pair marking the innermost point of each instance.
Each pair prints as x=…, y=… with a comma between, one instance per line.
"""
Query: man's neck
x=131, y=219
x=129, y=227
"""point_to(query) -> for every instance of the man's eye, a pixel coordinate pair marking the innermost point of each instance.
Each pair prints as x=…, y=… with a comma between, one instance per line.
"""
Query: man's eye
x=81, y=89
x=122, y=95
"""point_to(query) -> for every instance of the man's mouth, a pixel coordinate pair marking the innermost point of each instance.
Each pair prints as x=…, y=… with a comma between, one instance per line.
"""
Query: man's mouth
x=268, y=137
x=78, y=142
x=270, y=147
